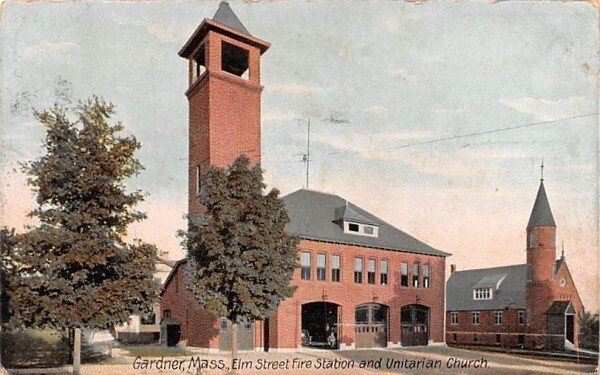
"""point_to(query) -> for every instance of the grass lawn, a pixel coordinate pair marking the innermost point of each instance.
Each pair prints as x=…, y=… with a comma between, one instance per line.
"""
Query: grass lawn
x=155, y=351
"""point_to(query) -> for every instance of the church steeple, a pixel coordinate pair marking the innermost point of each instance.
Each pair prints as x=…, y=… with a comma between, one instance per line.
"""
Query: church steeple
x=541, y=236
x=541, y=214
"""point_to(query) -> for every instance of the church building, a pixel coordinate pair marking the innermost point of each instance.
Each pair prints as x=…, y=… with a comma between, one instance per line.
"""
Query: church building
x=362, y=282
x=532, y=305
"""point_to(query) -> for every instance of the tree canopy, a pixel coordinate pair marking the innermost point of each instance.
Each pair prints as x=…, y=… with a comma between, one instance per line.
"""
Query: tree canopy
x=76, y=269
x=241, y=259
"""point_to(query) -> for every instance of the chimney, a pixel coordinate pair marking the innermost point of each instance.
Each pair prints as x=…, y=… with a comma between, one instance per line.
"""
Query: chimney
x=452, y=268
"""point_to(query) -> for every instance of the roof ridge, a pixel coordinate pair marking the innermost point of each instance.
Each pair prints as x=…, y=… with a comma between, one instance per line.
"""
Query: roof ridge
x=490, y=268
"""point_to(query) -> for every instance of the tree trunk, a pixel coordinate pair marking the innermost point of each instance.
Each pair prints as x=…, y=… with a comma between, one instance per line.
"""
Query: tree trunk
x=77, y=352
x=234, y=344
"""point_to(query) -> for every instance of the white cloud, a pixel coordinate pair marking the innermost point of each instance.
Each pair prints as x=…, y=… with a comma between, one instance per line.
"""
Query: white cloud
x=49, y=48
x=546, y=110
x=274, y=115
x=375, y=109
x=170, y=33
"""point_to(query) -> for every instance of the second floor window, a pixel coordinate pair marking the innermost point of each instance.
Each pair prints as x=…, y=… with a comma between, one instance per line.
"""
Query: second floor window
x=416, y=275
x=305, y=266
x=384, y=272
x=521, y=317
x=454, y=318
x=475, y=318
x=335, y=268
x=371, y=272
x=198, y=180
x=497, y=317
x=404, y=274
x=358, y=270
x=426, y=276
x=321, y=267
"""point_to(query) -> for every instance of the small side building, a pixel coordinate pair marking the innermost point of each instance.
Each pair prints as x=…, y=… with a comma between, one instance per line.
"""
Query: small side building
x=532, y=305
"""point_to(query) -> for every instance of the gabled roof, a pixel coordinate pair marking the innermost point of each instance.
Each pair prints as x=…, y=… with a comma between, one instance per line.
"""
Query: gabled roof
x=225, y=16
x=541, y=214
x=313, y=217
x=510, y=292
x=560, y=308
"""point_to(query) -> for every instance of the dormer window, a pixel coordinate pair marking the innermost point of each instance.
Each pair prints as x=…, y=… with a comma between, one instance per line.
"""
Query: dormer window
x=482, y=294
x=361, y=229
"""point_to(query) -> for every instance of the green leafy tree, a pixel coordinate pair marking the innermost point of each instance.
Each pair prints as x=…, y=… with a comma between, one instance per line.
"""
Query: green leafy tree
x=76, y=270
x=588, y=330
x=241, y=259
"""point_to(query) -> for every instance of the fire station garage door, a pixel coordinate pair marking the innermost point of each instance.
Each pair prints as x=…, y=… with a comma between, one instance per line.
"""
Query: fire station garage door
x=371, y=326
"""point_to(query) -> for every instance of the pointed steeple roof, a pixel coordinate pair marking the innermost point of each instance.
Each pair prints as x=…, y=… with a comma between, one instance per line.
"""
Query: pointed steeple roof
x=225, y=16
x=541, y=215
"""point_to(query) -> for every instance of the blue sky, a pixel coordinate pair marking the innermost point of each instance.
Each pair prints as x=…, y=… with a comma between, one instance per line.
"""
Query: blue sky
x=397, y=73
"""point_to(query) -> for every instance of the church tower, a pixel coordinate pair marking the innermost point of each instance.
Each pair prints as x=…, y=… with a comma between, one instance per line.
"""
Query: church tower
x=541, y=255
x=224, y=96
x=541, y=237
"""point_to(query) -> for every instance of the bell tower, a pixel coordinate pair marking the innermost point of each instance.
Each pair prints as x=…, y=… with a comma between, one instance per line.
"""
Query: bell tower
x=224, y=96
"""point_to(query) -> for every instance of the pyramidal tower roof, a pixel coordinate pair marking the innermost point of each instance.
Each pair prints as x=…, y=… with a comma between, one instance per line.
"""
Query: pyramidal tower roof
x=541, y=215
x=225, y=16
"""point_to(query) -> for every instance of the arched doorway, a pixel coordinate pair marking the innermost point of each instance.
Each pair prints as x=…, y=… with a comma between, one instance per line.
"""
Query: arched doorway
x=371, y=325
x=415, y=325
x=320, y=324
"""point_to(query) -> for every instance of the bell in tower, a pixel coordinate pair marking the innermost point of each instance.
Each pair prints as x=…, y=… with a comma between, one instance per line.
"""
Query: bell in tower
x=224, y=96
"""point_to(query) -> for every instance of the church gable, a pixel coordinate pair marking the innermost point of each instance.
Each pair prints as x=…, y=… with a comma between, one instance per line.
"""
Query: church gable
x=564, y=286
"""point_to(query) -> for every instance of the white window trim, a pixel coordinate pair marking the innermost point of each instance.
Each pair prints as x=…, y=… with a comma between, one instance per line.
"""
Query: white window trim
x=454, y=318
x=480, y=294
x=361, y=229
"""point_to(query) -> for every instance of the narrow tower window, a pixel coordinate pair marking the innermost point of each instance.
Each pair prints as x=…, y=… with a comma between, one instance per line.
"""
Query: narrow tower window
x=199, y=63
x=198, y=180
x=234, y=59
x=532, y=239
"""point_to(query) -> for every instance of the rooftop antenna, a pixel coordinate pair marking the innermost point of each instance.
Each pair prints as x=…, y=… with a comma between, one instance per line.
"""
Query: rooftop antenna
x=542, y=169
x=562, y=253
x=306, y=155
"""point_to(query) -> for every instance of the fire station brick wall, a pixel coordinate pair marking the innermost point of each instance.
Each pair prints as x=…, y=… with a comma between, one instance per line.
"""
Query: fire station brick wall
x=485, y=333
x=286, y=325
x=199, y=327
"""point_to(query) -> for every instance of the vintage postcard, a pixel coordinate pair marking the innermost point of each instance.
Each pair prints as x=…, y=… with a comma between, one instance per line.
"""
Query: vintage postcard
x=299, y=187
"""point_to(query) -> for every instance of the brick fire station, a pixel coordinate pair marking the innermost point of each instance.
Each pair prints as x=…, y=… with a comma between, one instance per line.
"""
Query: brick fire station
x=532, y=305
x=361, y=282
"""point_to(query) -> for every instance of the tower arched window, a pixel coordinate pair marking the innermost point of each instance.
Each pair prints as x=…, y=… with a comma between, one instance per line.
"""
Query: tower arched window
x=532, y=239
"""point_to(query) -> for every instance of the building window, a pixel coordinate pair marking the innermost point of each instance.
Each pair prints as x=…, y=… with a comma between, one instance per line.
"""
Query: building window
x=321, y=267
x=148, y=319
x=305, y=266
x=415, y=275
x=198, y=180
x=368, y=229
x=474, y=338
x=454, y=318
x=224, y=324
x=384, y=272
x=426, y=275
x=234, y=59
x=497, y=338
x=358, y=270
x=454, y=337
x=353, y=227
x=532, y=239
x=475, y=318
x=371, y=271
x=335, y=268
x=553, y=239
x=199, y=63
x=521, y=339
x=521, y=317
x=482, y=293
x=497, y=317
x=404, y=274
x=166, y=313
